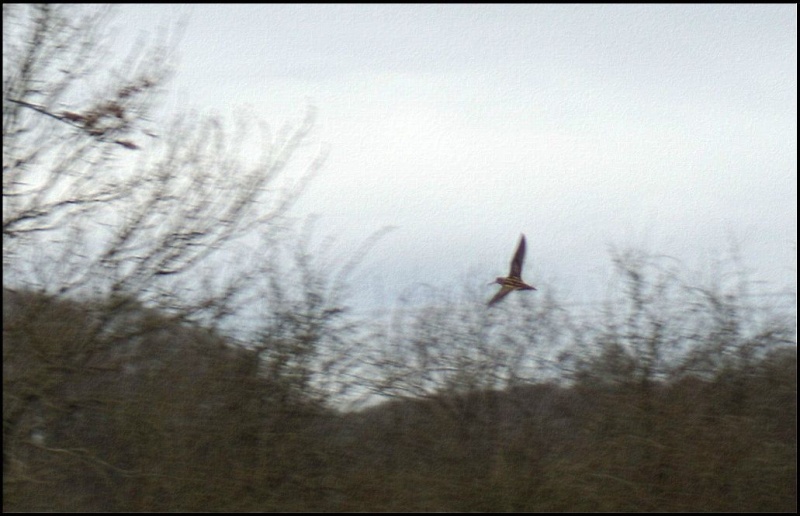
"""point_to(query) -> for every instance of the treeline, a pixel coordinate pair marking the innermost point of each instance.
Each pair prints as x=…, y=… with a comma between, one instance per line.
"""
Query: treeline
x=110, y=406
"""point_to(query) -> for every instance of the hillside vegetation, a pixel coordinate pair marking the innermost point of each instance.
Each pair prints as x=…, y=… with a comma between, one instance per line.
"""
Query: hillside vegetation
x=148, y=414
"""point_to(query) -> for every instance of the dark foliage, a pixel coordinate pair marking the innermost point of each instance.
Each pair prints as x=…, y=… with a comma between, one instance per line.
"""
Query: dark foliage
x=154, y=415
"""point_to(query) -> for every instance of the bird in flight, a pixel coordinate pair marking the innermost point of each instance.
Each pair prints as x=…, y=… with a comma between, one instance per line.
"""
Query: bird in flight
x=514, y=279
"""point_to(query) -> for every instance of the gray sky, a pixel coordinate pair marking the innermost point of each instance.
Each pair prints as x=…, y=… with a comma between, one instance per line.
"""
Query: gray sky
x=666, y=128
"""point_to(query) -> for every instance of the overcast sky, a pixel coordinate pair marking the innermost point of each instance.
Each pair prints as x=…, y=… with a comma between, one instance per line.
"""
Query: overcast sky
x=666, y=128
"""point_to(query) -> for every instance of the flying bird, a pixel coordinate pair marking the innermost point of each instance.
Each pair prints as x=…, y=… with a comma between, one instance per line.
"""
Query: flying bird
x=514, y=279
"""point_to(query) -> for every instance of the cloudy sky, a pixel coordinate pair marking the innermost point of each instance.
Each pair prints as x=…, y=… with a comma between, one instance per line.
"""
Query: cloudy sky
x=666, y=128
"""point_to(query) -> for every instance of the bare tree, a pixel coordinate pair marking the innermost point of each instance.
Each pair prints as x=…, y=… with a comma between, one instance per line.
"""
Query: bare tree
x=112, y=202
x=93, y=203
x=66, y=114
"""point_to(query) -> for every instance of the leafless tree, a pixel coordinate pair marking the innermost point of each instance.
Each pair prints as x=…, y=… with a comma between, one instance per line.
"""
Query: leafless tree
x=94, y=203
x=113, y=202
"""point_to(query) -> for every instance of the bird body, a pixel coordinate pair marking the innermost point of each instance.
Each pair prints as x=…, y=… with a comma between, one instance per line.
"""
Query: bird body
x=514, y=279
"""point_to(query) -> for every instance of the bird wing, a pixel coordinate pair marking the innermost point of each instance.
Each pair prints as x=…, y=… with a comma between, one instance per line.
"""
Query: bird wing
x=519, y=257
x=503, y=292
